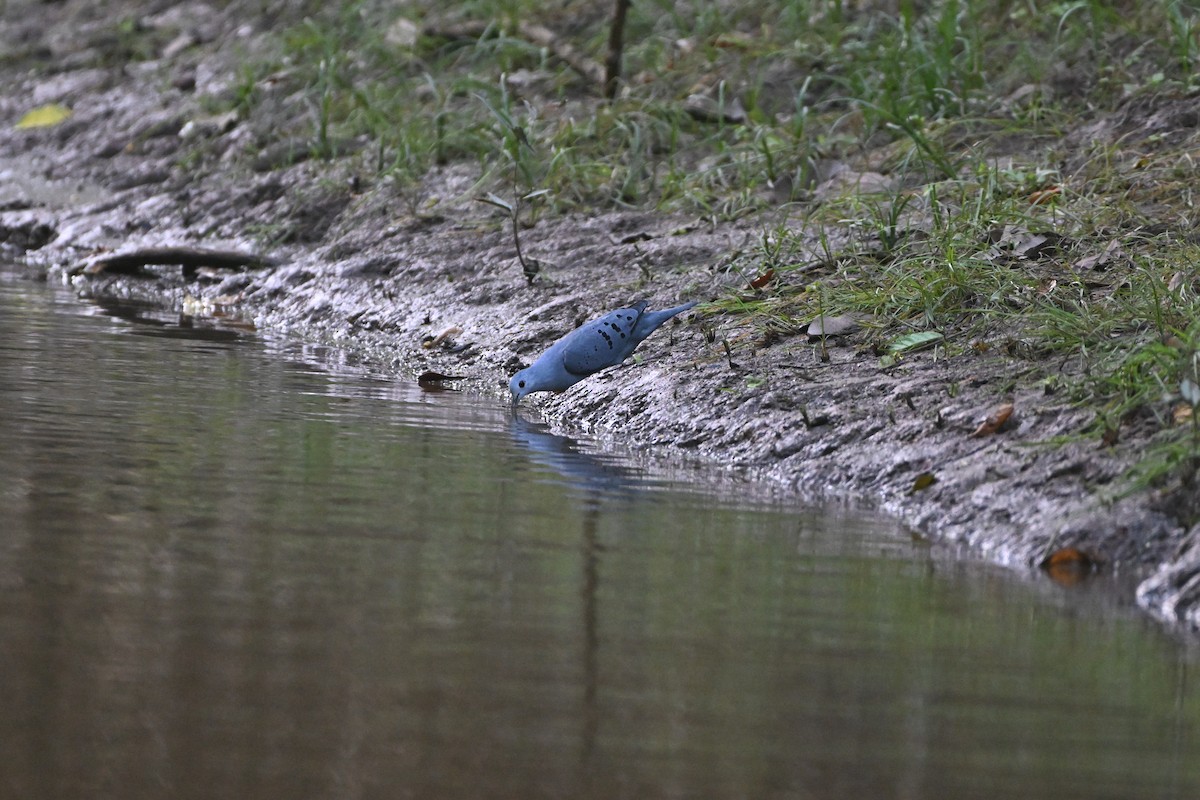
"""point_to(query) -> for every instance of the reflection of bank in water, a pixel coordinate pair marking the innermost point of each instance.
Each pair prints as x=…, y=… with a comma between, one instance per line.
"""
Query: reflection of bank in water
x=192, y=323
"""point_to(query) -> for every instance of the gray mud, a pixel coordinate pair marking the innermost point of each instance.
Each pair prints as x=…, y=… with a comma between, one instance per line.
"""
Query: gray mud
x=142, y=164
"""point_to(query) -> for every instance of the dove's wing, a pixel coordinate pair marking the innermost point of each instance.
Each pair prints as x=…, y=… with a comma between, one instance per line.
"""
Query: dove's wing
x=603, y=342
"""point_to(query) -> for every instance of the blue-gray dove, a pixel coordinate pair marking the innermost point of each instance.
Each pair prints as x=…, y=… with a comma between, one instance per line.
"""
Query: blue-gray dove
x=597, y=345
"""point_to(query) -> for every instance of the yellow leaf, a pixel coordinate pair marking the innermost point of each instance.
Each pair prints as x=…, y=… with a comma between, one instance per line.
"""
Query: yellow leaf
x=923, y=481
x=44, y=116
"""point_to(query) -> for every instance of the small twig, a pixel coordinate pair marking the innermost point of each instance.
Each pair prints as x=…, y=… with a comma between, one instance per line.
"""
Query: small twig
x=529, y=270
x=530, y=267
x=616, y=46
x=729, y=354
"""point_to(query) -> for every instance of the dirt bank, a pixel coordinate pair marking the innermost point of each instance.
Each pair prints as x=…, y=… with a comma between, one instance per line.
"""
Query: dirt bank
x=144, y=162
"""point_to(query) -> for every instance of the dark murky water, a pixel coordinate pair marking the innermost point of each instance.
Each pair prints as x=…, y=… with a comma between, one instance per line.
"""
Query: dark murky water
x=229, y=568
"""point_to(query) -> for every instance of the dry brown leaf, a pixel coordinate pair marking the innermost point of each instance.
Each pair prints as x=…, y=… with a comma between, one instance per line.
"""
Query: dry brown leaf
x=1036, y=246
x=1070, y=565
x=441, y=338
x=1174, y=342
x=1044, y=196
x=1110, y=437
x=1098, y=260
x=763, y=279
x=434, y=380
x=995, y=422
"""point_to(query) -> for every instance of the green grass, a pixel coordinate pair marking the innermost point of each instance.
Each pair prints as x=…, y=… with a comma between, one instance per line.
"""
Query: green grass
x=816, y=82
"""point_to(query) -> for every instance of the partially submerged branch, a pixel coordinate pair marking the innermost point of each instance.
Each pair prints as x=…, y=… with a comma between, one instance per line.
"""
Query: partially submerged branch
x=190, y=258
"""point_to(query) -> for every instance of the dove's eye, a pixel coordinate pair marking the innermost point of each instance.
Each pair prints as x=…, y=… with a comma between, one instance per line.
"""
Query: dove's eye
x=521, y=384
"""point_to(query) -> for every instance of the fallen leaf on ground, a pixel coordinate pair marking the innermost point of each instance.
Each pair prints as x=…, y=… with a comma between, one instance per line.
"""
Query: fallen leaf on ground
x=911, y=342
x=703, y=108
x=735, y=39
x=923, y=481
x=632, y=238
x=763, y=279
x=1037, y=246
x=995, y=421
x=1044, y=196
x=1098, y=260
x=44, y=116
x=441, y=338
x=431, y=379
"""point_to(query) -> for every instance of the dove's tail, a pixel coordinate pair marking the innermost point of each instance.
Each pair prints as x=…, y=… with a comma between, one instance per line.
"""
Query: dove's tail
x=649, y=322
x=670, y=312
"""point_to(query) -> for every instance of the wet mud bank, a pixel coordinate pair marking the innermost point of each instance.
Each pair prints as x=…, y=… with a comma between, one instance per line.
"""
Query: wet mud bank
x=345, y=259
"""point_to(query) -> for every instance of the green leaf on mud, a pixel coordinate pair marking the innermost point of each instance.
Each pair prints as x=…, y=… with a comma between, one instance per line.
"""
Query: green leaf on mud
x=922, y=482
x=911, y=342
x=44, y=116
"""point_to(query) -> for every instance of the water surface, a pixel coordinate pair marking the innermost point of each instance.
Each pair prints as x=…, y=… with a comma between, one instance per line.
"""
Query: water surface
x=232, y=566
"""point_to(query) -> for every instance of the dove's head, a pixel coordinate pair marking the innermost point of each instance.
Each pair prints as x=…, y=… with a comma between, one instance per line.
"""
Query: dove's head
x=521, y=384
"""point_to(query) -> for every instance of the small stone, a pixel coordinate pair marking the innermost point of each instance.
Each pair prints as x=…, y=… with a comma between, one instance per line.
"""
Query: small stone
x=832, y=326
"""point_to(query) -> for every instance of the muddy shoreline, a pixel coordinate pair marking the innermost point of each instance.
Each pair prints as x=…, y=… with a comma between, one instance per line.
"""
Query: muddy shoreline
x=142, y=164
